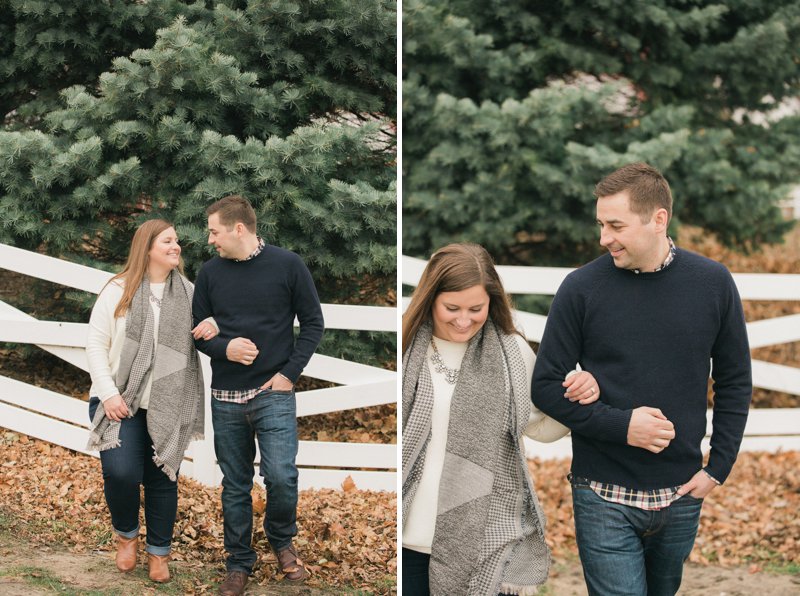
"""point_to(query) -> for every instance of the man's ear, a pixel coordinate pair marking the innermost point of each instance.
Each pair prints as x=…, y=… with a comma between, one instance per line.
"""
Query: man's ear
x=661, y=219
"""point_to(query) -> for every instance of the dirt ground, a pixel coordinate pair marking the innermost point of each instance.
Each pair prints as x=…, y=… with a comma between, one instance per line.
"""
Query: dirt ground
x=566, y=579
x=30, y=570
x=35, y=570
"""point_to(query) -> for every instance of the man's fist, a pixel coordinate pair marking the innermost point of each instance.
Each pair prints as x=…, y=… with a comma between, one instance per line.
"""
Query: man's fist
x=650, y=429
x=242, y=350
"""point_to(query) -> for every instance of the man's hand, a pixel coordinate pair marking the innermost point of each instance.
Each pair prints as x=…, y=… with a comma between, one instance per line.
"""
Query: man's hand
x=582, y=388
x=241, y=350
x=278, y=383
x=650, y=429
x=699, y=486
x=204, y=330
x=116, y=408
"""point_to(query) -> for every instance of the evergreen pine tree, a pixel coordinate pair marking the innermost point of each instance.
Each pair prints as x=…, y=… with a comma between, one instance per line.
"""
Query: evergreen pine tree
x=514, y=110
x=289, y=103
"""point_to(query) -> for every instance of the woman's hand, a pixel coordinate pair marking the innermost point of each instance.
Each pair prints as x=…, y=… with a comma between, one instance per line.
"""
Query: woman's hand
x=581, y=387
x=205, y=330
x=116, y=408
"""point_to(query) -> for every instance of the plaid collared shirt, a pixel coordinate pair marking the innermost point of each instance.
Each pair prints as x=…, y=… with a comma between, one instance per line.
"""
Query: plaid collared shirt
x=240, y=396
x=237, y=396
x=649, y=500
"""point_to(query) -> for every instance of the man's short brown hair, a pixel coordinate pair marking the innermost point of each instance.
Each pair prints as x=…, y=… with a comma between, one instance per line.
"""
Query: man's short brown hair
x=232, y=210
x=646, y=186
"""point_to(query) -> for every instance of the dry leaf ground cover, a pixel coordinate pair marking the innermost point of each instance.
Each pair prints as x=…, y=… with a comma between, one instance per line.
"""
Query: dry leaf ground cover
x=50, y=495
x=753, y=519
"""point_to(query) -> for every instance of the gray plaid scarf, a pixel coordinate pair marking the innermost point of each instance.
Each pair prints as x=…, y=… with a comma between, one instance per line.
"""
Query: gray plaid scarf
x=175, y=414
x=489, y=534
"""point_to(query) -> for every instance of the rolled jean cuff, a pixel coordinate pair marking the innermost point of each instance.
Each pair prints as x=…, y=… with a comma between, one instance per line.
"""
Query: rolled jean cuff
x=158, y=550
x=132, y=534
x=280, y=546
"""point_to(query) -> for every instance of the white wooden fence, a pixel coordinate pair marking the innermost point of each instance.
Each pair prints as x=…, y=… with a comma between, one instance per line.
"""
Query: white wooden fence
x=767, y=429
x=64, y=420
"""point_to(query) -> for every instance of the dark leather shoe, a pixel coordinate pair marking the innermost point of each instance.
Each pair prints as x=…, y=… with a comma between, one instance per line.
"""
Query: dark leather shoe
x=158, y=568
x=234, y=584
x=126, y=553
x=290, y=565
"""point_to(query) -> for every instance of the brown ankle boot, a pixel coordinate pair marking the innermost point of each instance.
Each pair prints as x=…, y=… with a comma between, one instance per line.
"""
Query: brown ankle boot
x=158, y=568
x=293, y=569
x=126, y=553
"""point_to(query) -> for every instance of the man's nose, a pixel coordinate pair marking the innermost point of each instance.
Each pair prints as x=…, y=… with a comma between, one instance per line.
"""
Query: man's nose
x=605, y=238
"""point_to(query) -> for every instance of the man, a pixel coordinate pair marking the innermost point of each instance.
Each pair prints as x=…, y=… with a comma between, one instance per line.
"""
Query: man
x=254, y=291
x=647, y=319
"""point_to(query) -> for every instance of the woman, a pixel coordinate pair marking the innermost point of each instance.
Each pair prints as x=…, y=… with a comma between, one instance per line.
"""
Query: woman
x=472, y=522
x=146, y=374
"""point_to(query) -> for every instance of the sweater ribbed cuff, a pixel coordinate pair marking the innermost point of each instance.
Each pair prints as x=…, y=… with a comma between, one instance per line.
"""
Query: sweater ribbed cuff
x=618, y=423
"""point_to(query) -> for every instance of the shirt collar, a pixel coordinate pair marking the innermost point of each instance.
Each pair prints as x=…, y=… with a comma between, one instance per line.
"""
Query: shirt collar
x=668, y=261
x=256, y=252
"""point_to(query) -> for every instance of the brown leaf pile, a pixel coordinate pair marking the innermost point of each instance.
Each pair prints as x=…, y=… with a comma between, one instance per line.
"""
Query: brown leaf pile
x=770, y=258
x=348, y=538
x=377, y=424
x=753, y=518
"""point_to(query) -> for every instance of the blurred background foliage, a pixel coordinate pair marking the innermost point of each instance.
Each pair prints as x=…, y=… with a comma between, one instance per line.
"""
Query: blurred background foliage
x=513, y=111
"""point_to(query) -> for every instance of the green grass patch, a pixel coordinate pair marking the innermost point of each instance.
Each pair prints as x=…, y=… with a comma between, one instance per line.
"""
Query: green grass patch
x=783, y=568
x=381, y=586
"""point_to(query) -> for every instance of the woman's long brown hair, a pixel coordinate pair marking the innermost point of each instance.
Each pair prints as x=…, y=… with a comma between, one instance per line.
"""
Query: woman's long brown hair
x=454, y=268
x=136, y=265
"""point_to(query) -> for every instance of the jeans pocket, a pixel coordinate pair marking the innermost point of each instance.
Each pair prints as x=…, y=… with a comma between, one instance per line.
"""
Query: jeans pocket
x=275, y=392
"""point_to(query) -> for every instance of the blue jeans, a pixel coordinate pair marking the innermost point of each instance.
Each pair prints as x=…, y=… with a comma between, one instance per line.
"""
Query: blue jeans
x=271, y=419
x=125, y=469
x=627, y=551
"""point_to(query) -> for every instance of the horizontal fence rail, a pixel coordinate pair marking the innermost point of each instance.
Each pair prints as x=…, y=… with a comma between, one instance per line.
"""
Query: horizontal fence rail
x=64, y=420
x=767, y=429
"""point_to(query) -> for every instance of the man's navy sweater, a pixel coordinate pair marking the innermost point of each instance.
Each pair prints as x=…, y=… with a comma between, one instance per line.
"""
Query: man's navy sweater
x=258, y=299
x=649, y=340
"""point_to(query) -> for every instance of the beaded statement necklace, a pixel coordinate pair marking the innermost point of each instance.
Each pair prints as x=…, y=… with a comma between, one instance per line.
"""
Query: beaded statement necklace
x=450, y=374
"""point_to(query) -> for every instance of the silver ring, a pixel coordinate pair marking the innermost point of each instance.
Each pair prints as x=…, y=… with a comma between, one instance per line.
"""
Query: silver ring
x=592, y=390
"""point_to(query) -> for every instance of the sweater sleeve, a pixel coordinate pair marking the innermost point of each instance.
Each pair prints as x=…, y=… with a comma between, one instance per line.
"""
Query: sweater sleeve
x=98, y=342
x=733, y=384
x=201, y=310
x=306, y=306
x=540, y=426
x=559, y=350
